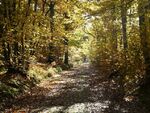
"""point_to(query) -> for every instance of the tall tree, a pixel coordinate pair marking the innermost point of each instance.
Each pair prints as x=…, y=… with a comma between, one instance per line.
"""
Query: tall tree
x=144, y=23
x=124, y=23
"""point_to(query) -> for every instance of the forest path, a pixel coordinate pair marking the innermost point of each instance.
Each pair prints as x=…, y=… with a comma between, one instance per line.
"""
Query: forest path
x=79, y=90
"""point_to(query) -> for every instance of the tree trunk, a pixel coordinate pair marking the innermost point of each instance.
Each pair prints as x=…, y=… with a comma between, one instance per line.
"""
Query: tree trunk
x=35, y=5
x=124, y=23
x=114, y=29
x=144, y=24
x=52, y=13
x=66, y=59
x=51, y=56
x=43, y=6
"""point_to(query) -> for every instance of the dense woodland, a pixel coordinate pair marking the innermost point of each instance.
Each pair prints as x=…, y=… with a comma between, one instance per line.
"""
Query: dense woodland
x=41, y=37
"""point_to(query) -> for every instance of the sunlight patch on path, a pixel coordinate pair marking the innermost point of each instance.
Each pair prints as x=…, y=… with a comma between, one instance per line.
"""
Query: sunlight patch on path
x=96, y=107
x=87, y=108
x=56, y=109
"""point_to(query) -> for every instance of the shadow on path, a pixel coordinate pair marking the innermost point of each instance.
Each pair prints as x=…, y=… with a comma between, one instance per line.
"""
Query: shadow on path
x=80, y=90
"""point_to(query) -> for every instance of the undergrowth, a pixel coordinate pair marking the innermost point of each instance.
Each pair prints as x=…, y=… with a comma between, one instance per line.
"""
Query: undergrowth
x=12, y=85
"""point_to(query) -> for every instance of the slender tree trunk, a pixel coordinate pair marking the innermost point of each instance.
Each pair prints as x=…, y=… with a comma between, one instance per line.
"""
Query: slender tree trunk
x=23, y=37
x=43, y=6
x=51, y=56
x=28, y=8
x=66, y=59
x=124, y=23
x=113, y=40
x=35, y=5
x=52, y=13
x=114, y=29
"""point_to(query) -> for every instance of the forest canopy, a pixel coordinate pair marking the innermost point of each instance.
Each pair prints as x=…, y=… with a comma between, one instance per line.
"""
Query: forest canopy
x=112, y=35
